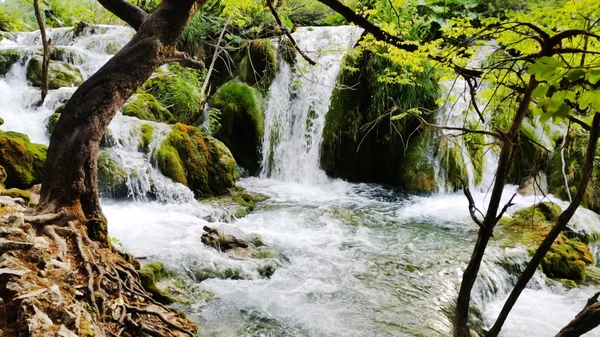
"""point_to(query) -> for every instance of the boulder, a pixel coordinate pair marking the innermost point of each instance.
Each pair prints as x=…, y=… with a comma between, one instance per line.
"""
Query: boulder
x=60, y=74
x=8, y=57
x=259, y=65
x=215, y=238
x=241, y=123
x=112, y=178
x=199, y=162
x=22, y=160
x=144, y=106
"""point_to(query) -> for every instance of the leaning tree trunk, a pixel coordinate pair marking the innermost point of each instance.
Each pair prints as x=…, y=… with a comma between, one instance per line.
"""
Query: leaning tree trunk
x=70, y=172
x=46, y=49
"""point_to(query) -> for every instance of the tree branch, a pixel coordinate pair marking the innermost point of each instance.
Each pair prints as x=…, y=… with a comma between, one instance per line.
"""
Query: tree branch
x=185, y=60
x=287, y=33
x=453, y=128
x=472, y=207
x=505, y=208
x=586, y=320
x=133, y=15
x=581, y=123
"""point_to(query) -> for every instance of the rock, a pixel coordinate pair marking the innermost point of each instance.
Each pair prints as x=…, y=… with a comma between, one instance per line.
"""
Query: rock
x=189, y=158
x=147, y=133
x=259, y=65
x=145, y=106
x=37, y=324
x=179, y=92
x=150, y=274
x=60, y=74
x=51, y=123
x=9, y=202
x=64, y=332
x=34, y=193
x=530, y=186
x=112, y=178
x=22, y=160
x=8, y=57
x=216, y=239
x=383, y=156
x=241, y=123
x=17, y=195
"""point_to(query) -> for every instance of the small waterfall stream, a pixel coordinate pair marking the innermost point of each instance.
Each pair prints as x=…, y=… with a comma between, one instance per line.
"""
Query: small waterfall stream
x=361, y=260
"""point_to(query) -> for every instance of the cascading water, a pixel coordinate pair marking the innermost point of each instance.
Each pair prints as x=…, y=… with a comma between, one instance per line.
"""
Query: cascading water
x=360, y=260
x=298, y=101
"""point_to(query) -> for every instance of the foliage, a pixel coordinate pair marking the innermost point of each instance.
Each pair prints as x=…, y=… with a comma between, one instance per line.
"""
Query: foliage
x=22, y=160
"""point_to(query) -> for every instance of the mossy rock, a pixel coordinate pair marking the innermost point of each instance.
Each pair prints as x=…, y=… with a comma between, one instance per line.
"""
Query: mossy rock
x=199, y=162
x=259, y=65
x=8, y=57
x=574, y=153
x=60, y=74
x=22, y=160
x=181, y=97
x=389, y=152
x=241, y=123
x=147, y=133
x=568, y=255
x=238, y=203
x=16, y=193
x=150, y=274
x=2, y=176
x=112, y=178
x=51, y=123
x=144, y=106
x=66, y=55
x=287, y=51
x=1, y=121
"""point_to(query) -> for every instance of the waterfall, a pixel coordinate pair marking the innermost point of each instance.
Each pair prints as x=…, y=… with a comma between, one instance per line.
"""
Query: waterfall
x=297, y=102
x=87, y=50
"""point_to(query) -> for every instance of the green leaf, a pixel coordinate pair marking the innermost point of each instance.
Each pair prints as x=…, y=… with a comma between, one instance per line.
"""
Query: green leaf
x=593, y=76
x=587, y=98
x=540, y=91
x=544, y=69
x=562, y=112
x=575, y=74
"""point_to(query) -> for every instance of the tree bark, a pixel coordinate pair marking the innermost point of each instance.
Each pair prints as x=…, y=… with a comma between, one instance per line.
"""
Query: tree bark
x=46, y=49
x=461, y=327
x=70, y=171
x=560, y=225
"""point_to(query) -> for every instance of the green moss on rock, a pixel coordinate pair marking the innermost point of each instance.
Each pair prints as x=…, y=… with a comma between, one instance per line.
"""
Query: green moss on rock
x=568, y=255
x=144, y=106
x=16, y=193
x=112, y=178
x=51, y=123
x=199, y=162
x=390, y=152
x=22, y=160
x=259, y=65
x=60, y=74
x=150, y=274
x=147, y=133
x=241, y=123
x=8, y=57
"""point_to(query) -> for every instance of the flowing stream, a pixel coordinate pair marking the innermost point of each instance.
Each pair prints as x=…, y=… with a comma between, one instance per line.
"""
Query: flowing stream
x=360, y=260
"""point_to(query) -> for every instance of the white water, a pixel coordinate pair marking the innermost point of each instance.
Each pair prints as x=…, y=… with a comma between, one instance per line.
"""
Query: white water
x=361, y=260
x=298, y=101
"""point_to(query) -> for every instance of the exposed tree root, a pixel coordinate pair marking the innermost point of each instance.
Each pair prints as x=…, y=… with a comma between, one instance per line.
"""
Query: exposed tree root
x=110, y=294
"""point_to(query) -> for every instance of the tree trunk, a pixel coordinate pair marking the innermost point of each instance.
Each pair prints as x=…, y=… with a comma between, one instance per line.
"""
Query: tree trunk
x=46, y=49
x=560, y=225
x=70, y=172
x=461, y=318
x=587, y=320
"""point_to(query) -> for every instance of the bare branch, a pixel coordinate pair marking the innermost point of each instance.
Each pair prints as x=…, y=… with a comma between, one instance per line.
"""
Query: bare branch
x=124, y=10
x=452, y=128
x=505, y=208
x=287, y=33
x=185, y=60
x=586, y=320
x=472, y=207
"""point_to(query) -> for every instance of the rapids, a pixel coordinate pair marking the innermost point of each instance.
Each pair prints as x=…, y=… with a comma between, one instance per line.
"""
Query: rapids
x=361, y=260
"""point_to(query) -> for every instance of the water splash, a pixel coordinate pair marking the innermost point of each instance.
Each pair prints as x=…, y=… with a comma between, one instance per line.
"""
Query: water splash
x=297, y=102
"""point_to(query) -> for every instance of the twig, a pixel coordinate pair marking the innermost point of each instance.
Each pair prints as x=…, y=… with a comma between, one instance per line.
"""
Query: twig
x=287, y=33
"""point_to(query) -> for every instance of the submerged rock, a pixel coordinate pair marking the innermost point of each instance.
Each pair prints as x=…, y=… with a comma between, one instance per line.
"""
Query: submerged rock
x=215, y=238
x=22, y=160
x=60, y=74
x=241, y=123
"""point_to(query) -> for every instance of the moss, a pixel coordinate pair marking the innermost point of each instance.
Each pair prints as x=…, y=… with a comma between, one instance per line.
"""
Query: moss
x=178, y=92
x=112, y=178
x=574, y=153
x=150, y=274
x=567, y=257
x=287, y=51
x=201, y=163
x=65, y=55
x=387, y=152
x=8, y=57
x=1, y=121
x=22, y=160
x=238, y=203
x=259, y=65
x=51, y=123
x=144, y=106
x=241, y=123
x=16, y=193
x=60, y=74
x=147, y=132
